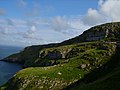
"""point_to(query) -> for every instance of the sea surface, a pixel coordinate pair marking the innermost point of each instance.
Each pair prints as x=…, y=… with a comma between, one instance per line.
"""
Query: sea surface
x=7, y=70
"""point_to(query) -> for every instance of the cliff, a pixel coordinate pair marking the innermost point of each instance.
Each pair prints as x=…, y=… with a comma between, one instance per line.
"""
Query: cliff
x=72, y=64
x=104, y=32
x=109, y=32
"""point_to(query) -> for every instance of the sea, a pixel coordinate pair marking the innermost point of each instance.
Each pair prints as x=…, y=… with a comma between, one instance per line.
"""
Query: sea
x=7, y=70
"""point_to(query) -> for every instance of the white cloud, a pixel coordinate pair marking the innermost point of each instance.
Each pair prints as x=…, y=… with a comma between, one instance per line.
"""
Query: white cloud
x=110, y=8
x=93, y=17
x=30, y=34
x=78, y=25
x=59, y=23
x=68, y=25
x=40, y=31
x=9, y=21
x=100, y=2
x=3, y=31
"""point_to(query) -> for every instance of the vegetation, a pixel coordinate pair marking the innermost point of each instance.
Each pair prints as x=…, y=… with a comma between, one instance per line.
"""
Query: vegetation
x=85, y=58
x=104, y=78
x=87, y=62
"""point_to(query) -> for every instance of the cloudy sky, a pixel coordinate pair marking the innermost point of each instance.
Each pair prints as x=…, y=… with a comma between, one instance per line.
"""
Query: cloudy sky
x=33, y=22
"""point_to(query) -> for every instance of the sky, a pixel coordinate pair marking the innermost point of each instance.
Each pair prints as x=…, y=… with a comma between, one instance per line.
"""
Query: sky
x=35, y=22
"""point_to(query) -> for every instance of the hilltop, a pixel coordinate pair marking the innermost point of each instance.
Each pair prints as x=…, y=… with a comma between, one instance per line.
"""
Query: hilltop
x=83, y=62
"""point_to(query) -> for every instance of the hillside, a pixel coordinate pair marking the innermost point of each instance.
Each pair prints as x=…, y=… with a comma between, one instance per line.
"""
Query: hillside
x=83, y=62
x=103, y=78
x=109, y=32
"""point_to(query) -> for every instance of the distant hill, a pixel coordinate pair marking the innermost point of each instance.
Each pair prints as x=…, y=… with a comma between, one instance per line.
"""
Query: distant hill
x=85, y=62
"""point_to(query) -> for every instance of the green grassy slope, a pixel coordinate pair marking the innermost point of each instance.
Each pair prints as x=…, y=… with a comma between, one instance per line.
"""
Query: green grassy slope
x=59, y=76
x=104, y=78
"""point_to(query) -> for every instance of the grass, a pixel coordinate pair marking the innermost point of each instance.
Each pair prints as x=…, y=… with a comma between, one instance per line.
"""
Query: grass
x=103, y=78
x=66, y=72
x=110, y=82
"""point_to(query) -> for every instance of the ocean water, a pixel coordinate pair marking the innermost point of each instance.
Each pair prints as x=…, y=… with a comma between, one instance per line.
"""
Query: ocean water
x=7, y=70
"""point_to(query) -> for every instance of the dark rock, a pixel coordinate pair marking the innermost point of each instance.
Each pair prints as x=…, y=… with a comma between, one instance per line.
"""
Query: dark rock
x=54, y=55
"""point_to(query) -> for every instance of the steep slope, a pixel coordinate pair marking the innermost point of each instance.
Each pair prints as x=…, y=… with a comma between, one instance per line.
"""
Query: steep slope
x=104, y=32
x=104, y=78
x=73, y=64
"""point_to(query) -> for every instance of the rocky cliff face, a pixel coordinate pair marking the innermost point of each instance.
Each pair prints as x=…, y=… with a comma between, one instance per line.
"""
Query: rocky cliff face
x=55, y=53
x=51, y=55
x=105, y=32
x=110, y=30
x=95, y=35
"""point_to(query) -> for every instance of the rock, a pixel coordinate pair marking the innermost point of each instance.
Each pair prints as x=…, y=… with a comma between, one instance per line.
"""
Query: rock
x=41, y=87
x=83, y=66
x=59, y=73
x=88, y=64
x=53, y=55
x=94, y=35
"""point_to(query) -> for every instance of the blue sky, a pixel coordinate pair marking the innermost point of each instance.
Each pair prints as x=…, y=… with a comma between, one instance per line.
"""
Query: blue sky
x=33, y=22
x=47, y=8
